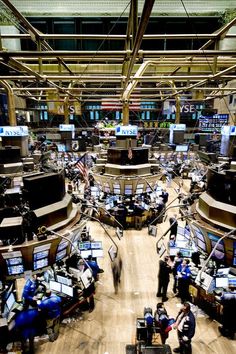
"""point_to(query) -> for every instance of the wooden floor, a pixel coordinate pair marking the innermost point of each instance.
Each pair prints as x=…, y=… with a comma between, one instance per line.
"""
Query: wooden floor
x=111, y=325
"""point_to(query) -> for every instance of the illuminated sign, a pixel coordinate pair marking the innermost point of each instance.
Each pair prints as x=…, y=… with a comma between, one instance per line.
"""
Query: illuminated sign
x=185, y=108
x=66, y=127
x=216, y=122
x=14, y=131
x=228, y=130
x=178, y=127
x=126, y=130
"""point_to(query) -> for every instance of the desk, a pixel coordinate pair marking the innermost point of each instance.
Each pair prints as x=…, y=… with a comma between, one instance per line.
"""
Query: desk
x=207, y=302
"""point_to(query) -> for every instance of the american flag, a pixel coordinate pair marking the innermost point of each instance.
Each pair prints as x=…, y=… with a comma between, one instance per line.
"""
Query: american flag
x=82, y=167
x=130, y=153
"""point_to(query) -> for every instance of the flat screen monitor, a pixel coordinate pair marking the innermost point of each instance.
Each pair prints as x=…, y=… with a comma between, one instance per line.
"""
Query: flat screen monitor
x=181, y=148
x=112, y=252
x=222, y=283
x=187, y=253
x=232, y=282
x=128, y=189
x=61, y=147
x=107, y=207
x=152, y=230
x=86, y=278
x=85, y=253
x=62, y=245
x=67, y=290
x=10, y=301
x=96, y=245
x=146, y=207
x=84, y=245
x=97, y=253
x=75, y=272
x=162, y=250
x=119, y=232
x=116, y=190
x=60, y=255
x=55, y=286
x=15, y=270
x=139, y=191
x=41, y=263
x=223, y=271
x=14, y=261
x=64, y=280
x=173, y=251
x=219, y=252
x=40, y=255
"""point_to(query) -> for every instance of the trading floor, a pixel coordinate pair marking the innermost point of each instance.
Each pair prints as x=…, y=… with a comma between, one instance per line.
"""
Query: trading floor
x=111, y=326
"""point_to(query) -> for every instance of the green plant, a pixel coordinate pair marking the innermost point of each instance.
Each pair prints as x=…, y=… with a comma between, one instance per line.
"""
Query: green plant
x=227, y=16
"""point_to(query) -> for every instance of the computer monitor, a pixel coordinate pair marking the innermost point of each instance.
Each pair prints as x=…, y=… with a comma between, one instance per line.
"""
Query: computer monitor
x=15, y=270
x=64, y=280
x=75, y=272
x=96, y=245
x=223, y=271
x=61, y=147
x=119, y=233
x=41, y=263
x=85, y=253
x=181, y=148
x=128, y=189
x=55, y=286
x=67, y=290
x=62, y=245
x=97, y=253
x=232, y=282
x=222, y=283
x=60, y=255
x=152, y=230
x=40, y=255
x=162, y=250
x=86, y=245
x=10, y=301
x=187, y=253
x=173, y=251
x=107, y=207
x=86, y=278
x=112, y=252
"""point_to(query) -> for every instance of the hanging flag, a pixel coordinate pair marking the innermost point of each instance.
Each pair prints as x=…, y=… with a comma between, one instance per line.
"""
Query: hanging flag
x=130, y=153
x=82, y=166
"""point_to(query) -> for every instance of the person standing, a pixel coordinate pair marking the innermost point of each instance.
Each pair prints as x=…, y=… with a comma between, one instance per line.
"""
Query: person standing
x=116, y=272
x=183, y=276
x=51, y=309
x=228, y=300
x=177, y=262
x=173, y=225
x=28, y=295
x=185, y=325
x=163, y=278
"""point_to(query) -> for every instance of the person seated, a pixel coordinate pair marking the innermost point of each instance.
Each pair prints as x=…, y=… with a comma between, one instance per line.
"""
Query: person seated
x=162, y=321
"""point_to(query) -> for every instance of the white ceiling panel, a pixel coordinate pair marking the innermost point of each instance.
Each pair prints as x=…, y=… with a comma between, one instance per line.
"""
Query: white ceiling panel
x=117, y=7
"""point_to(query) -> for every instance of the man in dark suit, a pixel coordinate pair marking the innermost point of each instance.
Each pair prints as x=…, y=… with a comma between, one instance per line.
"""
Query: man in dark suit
x=163, y=278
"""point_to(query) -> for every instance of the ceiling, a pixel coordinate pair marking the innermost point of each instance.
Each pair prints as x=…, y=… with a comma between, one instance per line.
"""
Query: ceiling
x=117, y=7
x=122, y=76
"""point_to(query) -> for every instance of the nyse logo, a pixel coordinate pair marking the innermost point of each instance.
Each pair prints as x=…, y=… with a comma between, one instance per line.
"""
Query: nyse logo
x=185, y=108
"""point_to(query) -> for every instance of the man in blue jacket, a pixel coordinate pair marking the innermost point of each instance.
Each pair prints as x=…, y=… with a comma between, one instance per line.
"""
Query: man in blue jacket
x=51, y=309
x=185, y=325
x=94, y=267
x=28, y=295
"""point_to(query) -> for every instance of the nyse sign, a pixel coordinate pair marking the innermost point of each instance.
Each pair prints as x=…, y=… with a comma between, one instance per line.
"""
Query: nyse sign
x=14, y=131
x=126, y=130
x=185, y=108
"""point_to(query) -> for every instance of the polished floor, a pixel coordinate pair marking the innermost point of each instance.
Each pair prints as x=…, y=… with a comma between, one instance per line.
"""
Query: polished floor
x=111, y=325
